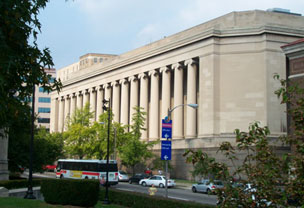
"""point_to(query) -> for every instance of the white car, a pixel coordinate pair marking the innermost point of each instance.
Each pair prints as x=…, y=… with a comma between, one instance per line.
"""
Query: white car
x=157, y=180
x=123, y=176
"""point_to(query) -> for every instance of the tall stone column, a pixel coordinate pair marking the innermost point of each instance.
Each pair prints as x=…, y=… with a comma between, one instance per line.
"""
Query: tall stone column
x=54, y=112
x=177, y=114
x=93, y=103
x=124, y=112
x=79, y=100
x=143, y=101
x=166, y=89
x=73, y=105
x=86, y=98
x=107, y=91
x=133, y=96
x=61, y=114
x=116, y=100
x=191, y=98
x=100, y=95
x=4, y=174
x=154, y=106
x=66, y=111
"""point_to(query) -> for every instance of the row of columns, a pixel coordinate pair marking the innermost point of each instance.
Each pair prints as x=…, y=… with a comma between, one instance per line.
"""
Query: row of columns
x=133, y=91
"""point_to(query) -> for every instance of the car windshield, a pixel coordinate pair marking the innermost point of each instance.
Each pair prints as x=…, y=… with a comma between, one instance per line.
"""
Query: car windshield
x=122, y=172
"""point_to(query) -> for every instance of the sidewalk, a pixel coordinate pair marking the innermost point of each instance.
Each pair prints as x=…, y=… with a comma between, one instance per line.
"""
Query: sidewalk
x=182, y=185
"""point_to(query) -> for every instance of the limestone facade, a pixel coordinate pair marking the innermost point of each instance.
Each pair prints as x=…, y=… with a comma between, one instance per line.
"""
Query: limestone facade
x=225, y=65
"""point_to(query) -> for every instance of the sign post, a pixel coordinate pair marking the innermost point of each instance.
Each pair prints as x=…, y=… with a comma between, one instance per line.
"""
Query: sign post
x=166, y=146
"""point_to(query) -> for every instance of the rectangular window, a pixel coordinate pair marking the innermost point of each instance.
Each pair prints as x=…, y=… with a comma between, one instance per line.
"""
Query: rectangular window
x=95, y=60
x=41, y=89
x=44, y=100
x=44, y=110
x=52, y=80
x=43, y=120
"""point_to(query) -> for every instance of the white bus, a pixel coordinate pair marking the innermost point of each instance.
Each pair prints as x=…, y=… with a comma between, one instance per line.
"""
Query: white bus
x=87, y=169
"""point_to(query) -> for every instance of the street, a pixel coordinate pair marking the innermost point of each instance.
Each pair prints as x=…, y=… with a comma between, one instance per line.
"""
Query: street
x=184, y=194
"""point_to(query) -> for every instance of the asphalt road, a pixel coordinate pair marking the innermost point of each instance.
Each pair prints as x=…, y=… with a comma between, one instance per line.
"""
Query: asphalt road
x=179, y=193
x=174, y=193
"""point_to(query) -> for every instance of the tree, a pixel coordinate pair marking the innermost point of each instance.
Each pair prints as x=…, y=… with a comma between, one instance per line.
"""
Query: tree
x=22, y=63
x=135, y=151
x=79, y=132
x=275, y=179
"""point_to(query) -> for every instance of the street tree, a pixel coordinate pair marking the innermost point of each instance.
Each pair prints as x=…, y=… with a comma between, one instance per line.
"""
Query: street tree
x=22, y=64
x=79, y=132
x=136, y=151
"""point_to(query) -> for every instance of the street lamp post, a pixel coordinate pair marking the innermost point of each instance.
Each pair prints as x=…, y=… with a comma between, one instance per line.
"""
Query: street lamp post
x=106, y=199
x=195, y=106
x=29, y=193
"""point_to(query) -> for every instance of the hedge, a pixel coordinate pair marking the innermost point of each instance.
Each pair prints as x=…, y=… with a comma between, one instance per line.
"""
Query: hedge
x=138, y=200
x=70, y=192
x=21, y=183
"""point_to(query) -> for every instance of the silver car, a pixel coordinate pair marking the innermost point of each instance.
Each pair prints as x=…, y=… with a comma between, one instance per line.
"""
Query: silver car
x=123, y=176
x=207, y=186
x=157, y=180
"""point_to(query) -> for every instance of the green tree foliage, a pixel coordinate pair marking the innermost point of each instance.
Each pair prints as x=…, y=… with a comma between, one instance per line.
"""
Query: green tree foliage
x=22, y=63
x=48, y=148
x=275, y=179
x=134, y=151
x=79, y=132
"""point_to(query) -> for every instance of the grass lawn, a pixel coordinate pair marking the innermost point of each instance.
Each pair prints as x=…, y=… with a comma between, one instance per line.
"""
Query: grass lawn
x=13, y=202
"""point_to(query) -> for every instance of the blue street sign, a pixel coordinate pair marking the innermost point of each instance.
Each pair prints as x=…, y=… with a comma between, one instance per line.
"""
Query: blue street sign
x=165, y=150
x=166, y=128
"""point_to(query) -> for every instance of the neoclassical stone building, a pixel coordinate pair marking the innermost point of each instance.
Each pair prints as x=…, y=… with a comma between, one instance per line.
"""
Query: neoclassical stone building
x=225, y=65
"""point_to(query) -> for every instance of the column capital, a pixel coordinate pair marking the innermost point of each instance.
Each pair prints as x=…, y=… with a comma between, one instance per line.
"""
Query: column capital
x=153, y=73
x=67, y=96
x=123, y=81
x=177, y=66
x=106, y=85
x=190, y=62
x=132, y=78
x=99, y=87
x=143, y=75
x=164, y=69
x=114, y=83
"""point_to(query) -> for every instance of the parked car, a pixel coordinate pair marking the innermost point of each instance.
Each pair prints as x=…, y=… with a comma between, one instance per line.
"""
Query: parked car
x=49, y=168
x=137, y=177
x=157, y=180
x=207, y=186
x=122, y=176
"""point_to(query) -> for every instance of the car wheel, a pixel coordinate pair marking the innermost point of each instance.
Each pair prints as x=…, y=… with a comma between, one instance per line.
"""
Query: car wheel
x=61, y=176
x=86, y=177
x=194, y=189
x=161, y=185
x=130, y=182
x=209, y=191
x=143, y=184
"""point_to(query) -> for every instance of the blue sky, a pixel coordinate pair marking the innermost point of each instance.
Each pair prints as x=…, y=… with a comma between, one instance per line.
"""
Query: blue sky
x=71, y=29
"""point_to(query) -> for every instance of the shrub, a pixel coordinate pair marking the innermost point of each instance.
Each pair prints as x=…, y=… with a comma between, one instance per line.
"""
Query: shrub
x=137, y=200
x=70, y=192
x=21, y=183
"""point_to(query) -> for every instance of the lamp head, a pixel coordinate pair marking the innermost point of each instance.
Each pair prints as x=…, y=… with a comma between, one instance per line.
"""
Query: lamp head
x=193, y=105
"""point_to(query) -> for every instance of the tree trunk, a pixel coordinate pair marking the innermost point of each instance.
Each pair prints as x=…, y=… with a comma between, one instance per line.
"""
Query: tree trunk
x=4, y=174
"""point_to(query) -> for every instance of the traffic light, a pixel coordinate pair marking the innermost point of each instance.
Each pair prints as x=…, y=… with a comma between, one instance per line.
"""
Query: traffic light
x=104, y=102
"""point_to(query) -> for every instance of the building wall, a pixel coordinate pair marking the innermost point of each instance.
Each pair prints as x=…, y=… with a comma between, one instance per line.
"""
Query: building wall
x=225, y=65
x=43, y=103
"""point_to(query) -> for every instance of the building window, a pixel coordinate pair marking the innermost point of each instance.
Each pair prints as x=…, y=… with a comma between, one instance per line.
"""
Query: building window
x=44, y=110
x=41, y=89
x=44, y=100
x=100, y=60
x=95, y=60
x=43, y=120
x=52, y=80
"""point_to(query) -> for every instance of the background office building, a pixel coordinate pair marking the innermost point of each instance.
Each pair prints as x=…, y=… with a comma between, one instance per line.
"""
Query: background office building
x=43, y=103
x=225, y=65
